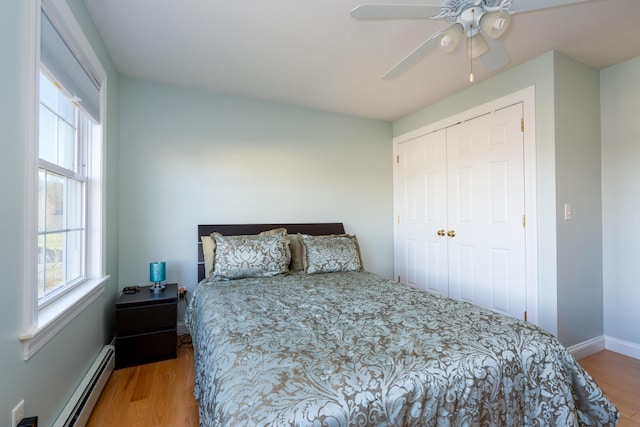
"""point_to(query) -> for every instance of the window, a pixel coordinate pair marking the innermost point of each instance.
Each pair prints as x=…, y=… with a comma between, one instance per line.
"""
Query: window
x=64, y=217
x=62, y=176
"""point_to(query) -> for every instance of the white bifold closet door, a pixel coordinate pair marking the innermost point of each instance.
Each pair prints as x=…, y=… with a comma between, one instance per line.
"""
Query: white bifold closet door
x=460, y=200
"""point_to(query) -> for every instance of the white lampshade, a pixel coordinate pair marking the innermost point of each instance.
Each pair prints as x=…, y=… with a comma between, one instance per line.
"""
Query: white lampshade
x=494, y=24
x=451, y=37
x=476, y=46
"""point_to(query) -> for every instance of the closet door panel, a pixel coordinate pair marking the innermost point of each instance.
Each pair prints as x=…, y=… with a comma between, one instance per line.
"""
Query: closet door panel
x=486, y=207
x=500, y=280
x=422, y=211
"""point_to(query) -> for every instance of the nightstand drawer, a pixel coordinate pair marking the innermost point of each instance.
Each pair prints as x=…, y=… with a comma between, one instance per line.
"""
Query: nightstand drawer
x=146, y=348
x=146, y=326
x=150, y=318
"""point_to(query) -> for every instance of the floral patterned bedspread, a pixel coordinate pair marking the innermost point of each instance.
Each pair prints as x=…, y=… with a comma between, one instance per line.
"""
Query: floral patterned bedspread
x=353, y=349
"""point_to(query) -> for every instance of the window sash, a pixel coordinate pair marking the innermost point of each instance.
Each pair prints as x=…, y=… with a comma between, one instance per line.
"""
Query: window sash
x=62, y=240
x=62, y=235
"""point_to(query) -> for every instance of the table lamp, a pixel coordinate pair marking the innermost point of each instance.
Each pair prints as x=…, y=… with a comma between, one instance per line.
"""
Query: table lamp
x=157, y=274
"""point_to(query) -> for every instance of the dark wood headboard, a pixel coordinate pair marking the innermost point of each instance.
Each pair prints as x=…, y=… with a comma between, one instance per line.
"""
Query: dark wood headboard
x=314, y=229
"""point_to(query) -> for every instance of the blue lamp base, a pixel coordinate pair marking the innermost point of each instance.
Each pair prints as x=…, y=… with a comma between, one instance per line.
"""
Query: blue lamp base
x=157, y=288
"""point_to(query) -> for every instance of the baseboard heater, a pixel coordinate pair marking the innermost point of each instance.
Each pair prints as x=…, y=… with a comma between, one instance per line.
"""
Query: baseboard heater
x=77, y=411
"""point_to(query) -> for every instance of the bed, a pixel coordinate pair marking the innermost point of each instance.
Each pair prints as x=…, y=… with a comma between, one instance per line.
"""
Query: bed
x=334, y=345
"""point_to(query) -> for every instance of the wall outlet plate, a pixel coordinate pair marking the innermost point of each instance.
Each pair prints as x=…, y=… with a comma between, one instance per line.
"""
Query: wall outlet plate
x=17, y=414
x=29, y=422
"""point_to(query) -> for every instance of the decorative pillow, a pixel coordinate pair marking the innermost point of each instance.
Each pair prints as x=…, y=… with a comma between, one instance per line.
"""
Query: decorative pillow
x=238, y=257
x=297, y=256
x=282, y=231
x=330, y=254
x=209, y=248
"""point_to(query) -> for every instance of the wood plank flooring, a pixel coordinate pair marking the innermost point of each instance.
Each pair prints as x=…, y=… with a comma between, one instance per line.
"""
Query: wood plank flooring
x=161, y=393
x=156, y=394
x=619, y=377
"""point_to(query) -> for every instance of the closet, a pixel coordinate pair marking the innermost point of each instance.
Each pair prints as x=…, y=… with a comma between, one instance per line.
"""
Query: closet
x=460, y=205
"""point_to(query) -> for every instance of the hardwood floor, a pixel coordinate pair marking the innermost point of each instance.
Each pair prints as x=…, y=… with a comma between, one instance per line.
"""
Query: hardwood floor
x=619, y=377
x=155, y=394
x=161, y=393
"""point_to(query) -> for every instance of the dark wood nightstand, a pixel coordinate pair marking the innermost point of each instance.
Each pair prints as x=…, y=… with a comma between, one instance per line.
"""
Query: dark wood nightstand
x=146, y=326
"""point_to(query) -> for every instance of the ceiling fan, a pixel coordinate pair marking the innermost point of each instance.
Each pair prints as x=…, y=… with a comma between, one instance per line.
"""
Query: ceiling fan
x=482, y=22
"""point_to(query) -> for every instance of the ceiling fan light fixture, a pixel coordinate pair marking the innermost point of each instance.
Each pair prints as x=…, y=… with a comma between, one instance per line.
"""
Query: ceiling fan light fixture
x=451, y=38
x=494, y=24
x=472, y=19
x=476, y=46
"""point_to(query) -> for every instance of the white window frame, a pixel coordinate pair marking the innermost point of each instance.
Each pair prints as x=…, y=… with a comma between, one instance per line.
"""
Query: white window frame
x=41, y=324
x=79, y=174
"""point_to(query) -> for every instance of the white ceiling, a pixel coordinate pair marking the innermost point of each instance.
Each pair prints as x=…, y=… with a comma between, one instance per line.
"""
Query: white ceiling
x=312, y=53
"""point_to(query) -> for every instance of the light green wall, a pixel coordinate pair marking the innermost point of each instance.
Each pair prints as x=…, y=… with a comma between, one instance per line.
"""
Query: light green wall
x=620, y=93
x=578, y=178
x=540, y=74
x=190, y=157
x=47, y=380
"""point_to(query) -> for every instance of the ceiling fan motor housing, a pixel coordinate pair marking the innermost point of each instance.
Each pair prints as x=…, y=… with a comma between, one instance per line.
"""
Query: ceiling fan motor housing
x=468, y=18
x=492, y=16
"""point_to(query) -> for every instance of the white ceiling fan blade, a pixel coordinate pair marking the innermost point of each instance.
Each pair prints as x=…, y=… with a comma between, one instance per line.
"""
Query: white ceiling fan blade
x=395, y=11
x=519, y=6
x=496, y=57
x=411, y=59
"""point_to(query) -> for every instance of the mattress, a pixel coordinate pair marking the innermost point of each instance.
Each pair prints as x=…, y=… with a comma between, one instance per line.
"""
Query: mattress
x=354, y=349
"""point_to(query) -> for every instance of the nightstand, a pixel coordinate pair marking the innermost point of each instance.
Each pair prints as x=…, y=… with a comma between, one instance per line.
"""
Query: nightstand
x=146, y=326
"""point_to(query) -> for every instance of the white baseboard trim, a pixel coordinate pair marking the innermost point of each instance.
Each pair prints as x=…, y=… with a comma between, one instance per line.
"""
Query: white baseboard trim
x=623, y=347
x=587, y=348
x=182, y=329
x=603, y=342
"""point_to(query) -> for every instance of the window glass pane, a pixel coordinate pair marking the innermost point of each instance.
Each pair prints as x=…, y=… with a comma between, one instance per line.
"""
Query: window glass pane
x=48, y=134
x=54, y=262
x=75, y=204
x=54, y=203
x=66, y=109
x=75, y=242
x=66, y=146
x=58, y=126
x=48, y=93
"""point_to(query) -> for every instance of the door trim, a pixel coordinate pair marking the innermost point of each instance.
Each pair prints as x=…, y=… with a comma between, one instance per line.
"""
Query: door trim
x=527, y=98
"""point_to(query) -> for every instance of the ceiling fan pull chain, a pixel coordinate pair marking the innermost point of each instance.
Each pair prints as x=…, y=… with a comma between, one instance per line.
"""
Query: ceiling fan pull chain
x=471, y=78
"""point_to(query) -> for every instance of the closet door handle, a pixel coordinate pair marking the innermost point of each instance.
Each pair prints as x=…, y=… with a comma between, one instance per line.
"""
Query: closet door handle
x=441, y=232
x=451, y=233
